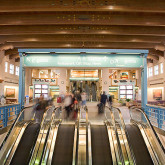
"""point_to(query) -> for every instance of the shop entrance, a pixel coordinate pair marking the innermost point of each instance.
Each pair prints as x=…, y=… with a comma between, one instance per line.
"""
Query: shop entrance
x=85, y=80
x=89, y=87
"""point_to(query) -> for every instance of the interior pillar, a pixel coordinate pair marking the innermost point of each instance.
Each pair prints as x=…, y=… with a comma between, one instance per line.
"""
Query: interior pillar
x=144, y=82
x=21, y=82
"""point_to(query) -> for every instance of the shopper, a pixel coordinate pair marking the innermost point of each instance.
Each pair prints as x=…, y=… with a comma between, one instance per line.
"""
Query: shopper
x=68, y=103
x=103, y=98
x=40, y=108
x=110, y=101
x=83, y=98
x=103, y=101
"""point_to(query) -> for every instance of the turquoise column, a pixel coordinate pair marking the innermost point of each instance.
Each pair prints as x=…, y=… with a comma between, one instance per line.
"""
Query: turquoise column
x=144, y=82
x=21, y=82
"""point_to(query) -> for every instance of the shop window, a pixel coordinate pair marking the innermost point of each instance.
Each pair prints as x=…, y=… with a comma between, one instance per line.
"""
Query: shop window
x=43, y=74
x=6, y=66
x=150, y=72
x=17, y=70
x=126, y=92
x=156, y=70
x=11, y=69
x=161, y=68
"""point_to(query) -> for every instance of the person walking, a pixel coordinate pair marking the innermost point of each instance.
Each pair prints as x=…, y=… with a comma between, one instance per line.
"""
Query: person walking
x=103, y=101
x=83, y=98
x=110, y=101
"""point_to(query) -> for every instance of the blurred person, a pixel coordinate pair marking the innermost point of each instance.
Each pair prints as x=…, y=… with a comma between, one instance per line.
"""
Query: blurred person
x=83, y=98
x=40, y=108
x=102, y=104
x=110, y=101
x=3, y=100
x=75, y=110
x=68, y=103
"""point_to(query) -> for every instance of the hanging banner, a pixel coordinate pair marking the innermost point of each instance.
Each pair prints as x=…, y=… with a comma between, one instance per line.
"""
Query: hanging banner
x=53, y=60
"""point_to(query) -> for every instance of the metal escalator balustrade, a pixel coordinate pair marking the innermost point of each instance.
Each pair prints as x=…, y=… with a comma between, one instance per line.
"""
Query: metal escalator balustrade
x=37, y=152
x=14, y=135
x=121, y=125
x=65, y=150
x=103, y=143
x=125, y=153
x=156, y=149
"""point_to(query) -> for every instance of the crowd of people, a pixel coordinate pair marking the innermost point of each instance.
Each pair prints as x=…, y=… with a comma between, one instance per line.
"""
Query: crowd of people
x=71, y=103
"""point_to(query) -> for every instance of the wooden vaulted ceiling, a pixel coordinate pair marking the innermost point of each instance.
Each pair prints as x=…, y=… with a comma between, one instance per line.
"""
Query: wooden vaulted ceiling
x=127, y=24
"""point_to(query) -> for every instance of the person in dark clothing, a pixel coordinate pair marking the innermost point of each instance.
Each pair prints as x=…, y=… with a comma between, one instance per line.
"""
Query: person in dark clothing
x=40, y=108
x=103, y=98
x=103, y=101
x=110, y=101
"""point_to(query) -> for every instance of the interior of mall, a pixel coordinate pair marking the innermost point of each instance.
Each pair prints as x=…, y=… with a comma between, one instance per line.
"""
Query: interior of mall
x=82, y=82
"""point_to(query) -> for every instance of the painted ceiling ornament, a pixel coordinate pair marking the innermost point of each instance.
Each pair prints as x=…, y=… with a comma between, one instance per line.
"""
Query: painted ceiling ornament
x=81, y=2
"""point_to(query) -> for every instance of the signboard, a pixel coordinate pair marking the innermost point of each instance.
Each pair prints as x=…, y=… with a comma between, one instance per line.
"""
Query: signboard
x=83, y=60
x=117, y=82
x=41, y=80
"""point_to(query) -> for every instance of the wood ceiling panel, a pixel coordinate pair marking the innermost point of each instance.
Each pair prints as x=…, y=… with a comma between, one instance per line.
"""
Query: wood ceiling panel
x=82, y=18
x=119, y=45
x=82, y=5
x=71, y=29
x=81, y=37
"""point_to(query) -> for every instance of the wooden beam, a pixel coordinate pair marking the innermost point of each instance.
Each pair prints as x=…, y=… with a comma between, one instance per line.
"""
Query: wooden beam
x=82, y=29
x=11, y=51
x=17, y=59
x=14, y=56
x=72, y=5
x=117, y=45
x=67, y=18
x=81, y=38
x=153, y=57
x=6, y=46
x=156, y=52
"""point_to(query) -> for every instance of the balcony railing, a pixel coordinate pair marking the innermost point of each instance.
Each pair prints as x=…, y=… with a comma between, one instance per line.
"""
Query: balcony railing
x=156, y=114
x=8, y=113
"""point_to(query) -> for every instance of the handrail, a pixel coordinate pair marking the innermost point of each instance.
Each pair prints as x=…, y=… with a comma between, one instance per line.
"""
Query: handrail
x=35, y=150
x=88, y=140
x=76, y=141
x=149, y=123
x=120, y=157
x=13, y=125
x=125, y=130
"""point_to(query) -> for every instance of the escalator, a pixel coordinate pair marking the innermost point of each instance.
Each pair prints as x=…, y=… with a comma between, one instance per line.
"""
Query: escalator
x=101, y=153
x=20, y=141
x=144, y=145
x=137, y=142
x=63, y=151
x=24, y=150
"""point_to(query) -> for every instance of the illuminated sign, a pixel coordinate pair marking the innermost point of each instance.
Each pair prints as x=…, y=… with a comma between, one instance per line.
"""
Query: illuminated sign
x=83, y=60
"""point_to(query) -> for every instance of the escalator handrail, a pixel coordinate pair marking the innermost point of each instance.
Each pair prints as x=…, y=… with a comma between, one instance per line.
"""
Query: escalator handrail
x=13, y=125
x=41, y=127
x=114, y=124
x=149, y=123
x=123, y=125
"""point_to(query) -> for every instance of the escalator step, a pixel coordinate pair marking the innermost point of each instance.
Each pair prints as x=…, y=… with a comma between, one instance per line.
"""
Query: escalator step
x=63, y=151
x=24, y=149
x=101, y=153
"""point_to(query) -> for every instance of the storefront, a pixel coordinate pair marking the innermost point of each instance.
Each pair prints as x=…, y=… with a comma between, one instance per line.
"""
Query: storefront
x=74, y=59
